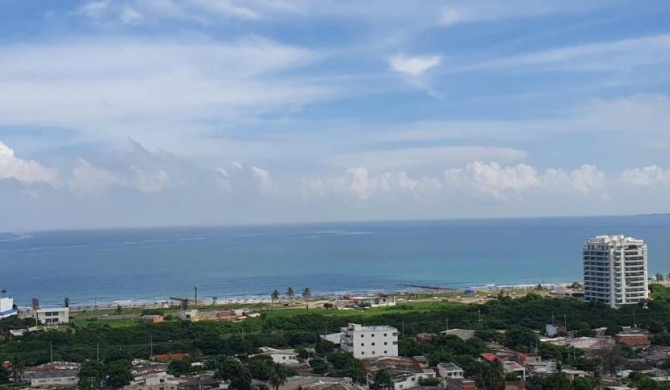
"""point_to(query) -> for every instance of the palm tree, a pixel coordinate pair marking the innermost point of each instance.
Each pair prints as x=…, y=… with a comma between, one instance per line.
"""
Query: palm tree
x=278, y=376
x=306, y=293
x=290, y=293
x=275, y=296
x=3, y=292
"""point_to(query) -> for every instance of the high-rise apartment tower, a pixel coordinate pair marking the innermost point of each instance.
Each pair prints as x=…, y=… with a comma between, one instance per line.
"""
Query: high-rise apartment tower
x=615, y=270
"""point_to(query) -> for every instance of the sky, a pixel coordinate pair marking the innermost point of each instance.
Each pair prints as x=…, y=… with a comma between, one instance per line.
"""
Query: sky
x=130, y=113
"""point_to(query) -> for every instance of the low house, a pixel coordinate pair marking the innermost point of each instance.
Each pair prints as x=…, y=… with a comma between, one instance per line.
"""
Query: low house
x=50, y=379
x=405, y=372
x=449, y=370
x=425, y=337
x=460, y=384
x=380, y=300
x=463, y=334
x=56, y=374
x=54, y=316
x=189, y=315
x=152, y=319
x=153, y=381
x=553, y=330
x=634, y=338
x=281, y=356
x=168, y=357
x=509, y=366
x=335, y=338
x=319, y=383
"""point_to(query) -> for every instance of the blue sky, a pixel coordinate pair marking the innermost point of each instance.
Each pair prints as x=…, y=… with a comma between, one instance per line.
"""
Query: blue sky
x=166, y=112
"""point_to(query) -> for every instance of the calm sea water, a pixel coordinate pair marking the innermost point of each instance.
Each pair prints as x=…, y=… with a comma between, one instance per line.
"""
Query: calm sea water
x=147, y=264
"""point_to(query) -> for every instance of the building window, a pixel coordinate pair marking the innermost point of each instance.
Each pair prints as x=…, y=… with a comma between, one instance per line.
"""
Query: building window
x=373, y=335
x=385, y=343
x=384, y=334
x=361, y=335
x=373, y=344
x=362, y=344
x=373, y=352
x=385, y=352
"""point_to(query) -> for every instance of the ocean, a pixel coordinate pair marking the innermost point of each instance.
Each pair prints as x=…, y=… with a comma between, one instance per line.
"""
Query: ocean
x=106, y=266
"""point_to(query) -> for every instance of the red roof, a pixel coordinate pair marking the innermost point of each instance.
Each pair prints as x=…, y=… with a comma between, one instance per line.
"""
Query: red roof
x=170, y=357
x=490, y=357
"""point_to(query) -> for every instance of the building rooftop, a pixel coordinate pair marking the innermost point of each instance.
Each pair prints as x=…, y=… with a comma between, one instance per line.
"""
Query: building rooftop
x=450, y=366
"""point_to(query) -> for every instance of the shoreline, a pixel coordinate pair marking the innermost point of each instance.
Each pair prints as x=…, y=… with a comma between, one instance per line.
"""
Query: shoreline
x=248, y=299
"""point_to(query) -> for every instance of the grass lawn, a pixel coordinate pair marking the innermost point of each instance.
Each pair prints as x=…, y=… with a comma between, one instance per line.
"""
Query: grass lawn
x=411, y=307
x=114, y=323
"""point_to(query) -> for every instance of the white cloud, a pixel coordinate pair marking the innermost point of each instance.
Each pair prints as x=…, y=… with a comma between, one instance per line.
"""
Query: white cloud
x=406, y=158
x=94, y=9
x=492, y=180
x=649, y=177
x=130, y=16
x=89, y=179
x=143, y=88
x=25, y=171
x=466, y=11
x=414, y=66
x=620, y=55
x=148, y=182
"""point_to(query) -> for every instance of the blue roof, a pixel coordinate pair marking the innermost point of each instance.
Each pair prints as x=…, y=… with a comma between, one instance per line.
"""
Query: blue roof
x=6, y=312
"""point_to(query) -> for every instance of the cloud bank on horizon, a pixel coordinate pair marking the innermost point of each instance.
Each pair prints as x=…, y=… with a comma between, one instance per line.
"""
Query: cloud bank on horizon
x=166, y=112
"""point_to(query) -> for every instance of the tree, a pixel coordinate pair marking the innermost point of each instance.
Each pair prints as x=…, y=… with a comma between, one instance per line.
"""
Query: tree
x=118, y=374
x=4, y=375
x=261, y=367
x=429, y=382
x=91, y=374
x=382, y=380
x=582, y=384
x=278, y=376
x=275, y=296
x=306, y=293
x=324, y=347
x=179, y=367
x=659, y=277
x=290, y=293
x=233, y=371
x=118, y=309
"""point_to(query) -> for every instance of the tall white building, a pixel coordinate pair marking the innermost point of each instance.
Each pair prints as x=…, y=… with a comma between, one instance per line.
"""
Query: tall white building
x=615, y=270
x=369, y=341
x=7, y=307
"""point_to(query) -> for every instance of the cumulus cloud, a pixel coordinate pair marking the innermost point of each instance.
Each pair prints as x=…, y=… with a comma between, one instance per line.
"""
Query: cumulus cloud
x=650, y=177
x=26, y=171
x=414, y=66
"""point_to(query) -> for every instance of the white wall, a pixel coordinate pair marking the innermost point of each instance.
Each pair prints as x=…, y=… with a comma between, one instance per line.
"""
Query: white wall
x=56, y=316
x=373, y=341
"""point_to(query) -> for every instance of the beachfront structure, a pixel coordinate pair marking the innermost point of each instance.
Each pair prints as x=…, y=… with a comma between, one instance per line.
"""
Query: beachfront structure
x=7, y=307
x=381, y=300
x=53, y=316
x=369, y=341
x=615, y=270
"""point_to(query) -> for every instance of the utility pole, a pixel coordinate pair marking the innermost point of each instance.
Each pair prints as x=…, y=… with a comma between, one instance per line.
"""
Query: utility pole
x=151, y=347
x=565, y=322
x=195, y=287
x=634, y=318
x=479, y=312
x=447, y=324
x=97, y=350
x=51, y=351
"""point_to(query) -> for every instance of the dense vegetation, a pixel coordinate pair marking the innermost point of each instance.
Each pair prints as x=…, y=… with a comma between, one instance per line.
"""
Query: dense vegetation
x=519, y=317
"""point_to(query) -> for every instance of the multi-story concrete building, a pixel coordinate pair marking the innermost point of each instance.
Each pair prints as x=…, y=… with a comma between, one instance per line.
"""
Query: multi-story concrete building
x=53, y=316
x=369, y=341
x=615, y=270
x=7, y=307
